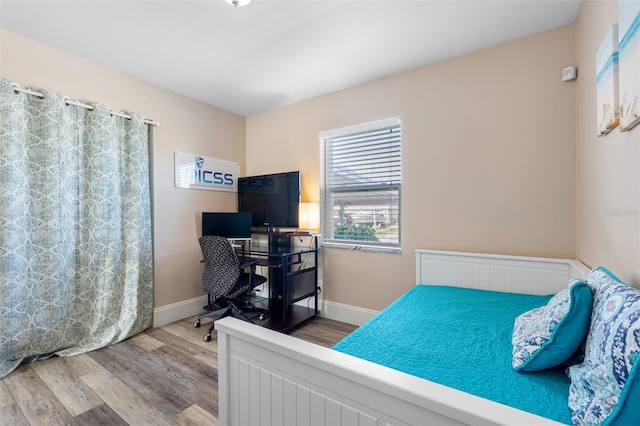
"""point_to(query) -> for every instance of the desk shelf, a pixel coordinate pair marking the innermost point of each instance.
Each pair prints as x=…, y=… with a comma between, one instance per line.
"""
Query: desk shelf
x=293, y=277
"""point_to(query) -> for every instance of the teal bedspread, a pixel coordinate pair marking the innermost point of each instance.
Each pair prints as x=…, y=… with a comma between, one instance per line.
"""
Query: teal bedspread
x=461, y=338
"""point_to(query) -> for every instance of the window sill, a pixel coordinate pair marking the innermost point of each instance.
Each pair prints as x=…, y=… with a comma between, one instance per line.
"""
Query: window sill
x=363, y=247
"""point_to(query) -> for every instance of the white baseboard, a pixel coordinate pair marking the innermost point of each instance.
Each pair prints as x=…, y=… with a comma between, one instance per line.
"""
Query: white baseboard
x=332, y=310
x=345, y=313
x=178, y=311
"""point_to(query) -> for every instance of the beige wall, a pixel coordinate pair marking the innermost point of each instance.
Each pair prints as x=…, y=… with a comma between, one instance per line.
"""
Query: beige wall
x=608, y=190
x=185, y=125
x=488, y=159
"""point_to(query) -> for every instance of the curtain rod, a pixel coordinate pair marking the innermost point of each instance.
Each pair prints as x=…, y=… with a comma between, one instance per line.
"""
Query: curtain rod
x=67, y=101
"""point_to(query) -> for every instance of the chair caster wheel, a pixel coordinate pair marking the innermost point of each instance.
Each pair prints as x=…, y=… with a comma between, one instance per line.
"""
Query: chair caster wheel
x=207, y=338
x=262, y=317
x=196, y=324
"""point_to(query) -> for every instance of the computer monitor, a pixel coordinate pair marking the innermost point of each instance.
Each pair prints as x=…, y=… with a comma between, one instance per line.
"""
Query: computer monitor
x=272, y=199
x=233, y=226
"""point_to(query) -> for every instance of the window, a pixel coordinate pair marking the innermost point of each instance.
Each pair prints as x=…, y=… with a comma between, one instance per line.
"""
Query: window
x=361, y=179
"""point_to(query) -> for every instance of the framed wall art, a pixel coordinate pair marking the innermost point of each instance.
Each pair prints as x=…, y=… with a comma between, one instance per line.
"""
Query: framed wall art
x=629, y=67
x=607, y=82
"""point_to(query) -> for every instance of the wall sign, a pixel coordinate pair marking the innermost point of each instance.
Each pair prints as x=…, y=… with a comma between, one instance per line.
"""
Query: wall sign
x=198, y=172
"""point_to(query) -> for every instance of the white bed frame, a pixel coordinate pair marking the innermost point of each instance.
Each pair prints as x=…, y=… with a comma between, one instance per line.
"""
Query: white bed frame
x=269, y=378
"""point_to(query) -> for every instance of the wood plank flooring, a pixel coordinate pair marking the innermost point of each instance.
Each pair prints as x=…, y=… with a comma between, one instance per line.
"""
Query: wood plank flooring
x=164, y=376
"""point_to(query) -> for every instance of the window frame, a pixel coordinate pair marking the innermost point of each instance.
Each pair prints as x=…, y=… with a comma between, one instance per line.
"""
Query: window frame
x=326, y=205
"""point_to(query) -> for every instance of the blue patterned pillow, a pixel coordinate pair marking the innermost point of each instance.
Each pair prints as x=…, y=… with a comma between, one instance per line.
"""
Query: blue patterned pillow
x=547, y=336
x=605, y=388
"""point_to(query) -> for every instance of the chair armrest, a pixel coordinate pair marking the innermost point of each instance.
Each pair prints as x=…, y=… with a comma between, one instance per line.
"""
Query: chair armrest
x=247, y=262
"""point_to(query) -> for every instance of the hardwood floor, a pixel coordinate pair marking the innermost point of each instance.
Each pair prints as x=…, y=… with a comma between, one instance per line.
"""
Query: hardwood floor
x=164, y=376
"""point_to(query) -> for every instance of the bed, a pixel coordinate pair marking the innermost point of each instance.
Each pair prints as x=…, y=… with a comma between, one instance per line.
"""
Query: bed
x=265, y=377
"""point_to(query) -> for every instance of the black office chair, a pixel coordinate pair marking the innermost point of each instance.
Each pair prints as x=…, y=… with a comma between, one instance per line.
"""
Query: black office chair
x=226, y=283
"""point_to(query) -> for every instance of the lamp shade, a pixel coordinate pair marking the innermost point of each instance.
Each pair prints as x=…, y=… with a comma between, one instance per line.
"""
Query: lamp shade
x=308, y=216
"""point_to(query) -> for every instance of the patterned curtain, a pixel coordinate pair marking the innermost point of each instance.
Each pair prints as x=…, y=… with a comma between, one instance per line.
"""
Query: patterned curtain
x=75, y=227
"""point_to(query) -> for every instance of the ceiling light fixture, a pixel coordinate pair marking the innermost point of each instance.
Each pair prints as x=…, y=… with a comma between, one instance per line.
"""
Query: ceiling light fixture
x=236, y=3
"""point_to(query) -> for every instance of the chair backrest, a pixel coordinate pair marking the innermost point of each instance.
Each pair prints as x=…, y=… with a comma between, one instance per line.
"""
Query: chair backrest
x=221, y=265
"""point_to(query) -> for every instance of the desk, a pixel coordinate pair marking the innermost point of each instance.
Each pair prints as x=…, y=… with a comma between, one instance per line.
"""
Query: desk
x=293, y=276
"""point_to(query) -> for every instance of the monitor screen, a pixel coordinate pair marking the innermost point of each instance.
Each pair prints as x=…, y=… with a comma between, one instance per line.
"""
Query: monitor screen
x=271, y=199
x=233, y=226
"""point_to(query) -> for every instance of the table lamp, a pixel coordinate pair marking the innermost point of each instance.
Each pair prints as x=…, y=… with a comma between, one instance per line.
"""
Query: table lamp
x=308, y=217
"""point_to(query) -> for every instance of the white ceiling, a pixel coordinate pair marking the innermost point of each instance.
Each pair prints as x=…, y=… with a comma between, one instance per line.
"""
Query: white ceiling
x=274, y=52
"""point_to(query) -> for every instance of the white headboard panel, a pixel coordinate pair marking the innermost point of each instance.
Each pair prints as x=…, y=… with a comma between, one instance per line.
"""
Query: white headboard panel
x=515, y=274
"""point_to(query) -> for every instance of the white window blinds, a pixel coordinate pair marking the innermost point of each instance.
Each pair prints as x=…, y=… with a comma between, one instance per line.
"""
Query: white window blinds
x=361, y=184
